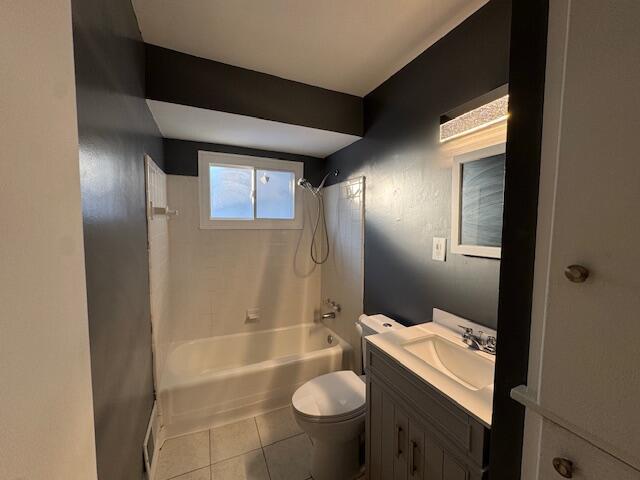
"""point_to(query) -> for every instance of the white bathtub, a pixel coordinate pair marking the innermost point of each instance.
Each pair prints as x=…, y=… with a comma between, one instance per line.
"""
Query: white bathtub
x=217, y=380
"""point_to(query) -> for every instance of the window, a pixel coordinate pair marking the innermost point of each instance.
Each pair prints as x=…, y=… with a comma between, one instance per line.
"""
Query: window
x=242, y=192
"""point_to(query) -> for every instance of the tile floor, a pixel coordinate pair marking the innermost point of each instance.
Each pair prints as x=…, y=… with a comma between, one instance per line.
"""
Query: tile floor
x=267, y=447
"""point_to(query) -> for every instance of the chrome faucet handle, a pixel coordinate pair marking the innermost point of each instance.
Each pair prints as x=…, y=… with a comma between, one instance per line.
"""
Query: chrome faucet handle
x=334, y=305
x=490, y=345
x=467, y=330
x=473, y=341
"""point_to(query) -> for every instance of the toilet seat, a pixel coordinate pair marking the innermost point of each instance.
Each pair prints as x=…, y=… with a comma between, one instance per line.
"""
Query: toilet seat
x=330, y=398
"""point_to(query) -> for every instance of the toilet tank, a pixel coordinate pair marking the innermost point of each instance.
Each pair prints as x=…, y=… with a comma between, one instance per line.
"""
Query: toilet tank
x=371, y=325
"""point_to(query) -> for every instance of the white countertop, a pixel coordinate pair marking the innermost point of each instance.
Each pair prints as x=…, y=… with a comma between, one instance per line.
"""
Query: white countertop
x=477, y=403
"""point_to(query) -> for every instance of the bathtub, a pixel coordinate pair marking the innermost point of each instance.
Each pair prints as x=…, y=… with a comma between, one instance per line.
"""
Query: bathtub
x=217, y=380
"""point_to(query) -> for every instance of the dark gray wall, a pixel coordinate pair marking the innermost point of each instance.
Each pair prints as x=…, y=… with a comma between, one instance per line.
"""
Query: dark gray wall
x=527, y=68
x=116, y=130
x=176, y=77
x=408, y=197
x=181, y=157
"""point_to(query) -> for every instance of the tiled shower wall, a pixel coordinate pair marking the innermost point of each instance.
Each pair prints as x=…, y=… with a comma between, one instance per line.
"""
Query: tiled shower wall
x=159, y=278
x=343, y=273
x=217, y=275
x=203, y=282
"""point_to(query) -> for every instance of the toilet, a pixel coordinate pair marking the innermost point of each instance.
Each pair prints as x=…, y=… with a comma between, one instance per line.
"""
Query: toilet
x=331, y=409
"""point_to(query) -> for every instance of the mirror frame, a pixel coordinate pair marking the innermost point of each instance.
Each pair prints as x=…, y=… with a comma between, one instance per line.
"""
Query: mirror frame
x=456, y=200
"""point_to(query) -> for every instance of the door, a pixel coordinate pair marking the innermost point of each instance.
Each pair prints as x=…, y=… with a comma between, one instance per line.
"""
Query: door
x=590, y=208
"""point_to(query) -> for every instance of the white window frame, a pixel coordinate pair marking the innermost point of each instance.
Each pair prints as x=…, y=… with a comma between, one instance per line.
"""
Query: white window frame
x=206, y=159
x=456, y=192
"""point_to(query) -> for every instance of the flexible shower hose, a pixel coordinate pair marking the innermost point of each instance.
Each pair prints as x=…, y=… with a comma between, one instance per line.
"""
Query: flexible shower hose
x=314, y=250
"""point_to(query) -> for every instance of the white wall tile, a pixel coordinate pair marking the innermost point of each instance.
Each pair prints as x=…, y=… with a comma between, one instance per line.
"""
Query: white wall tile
x=203, y=281
x=216, y=275
x=343, y=273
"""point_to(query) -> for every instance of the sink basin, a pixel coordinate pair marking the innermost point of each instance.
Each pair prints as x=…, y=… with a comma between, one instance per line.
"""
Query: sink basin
x=465, y=366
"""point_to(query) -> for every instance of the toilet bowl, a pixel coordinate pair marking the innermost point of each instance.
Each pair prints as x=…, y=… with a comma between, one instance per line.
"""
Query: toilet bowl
x=331, y=409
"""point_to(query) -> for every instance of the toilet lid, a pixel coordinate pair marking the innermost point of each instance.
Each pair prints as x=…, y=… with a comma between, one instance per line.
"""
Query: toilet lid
x=337, y=395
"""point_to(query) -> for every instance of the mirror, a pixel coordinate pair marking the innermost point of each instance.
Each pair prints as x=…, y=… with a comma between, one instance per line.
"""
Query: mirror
x=478, y=201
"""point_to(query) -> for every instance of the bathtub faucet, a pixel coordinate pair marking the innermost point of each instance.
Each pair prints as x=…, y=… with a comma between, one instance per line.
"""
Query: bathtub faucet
x=328, y=315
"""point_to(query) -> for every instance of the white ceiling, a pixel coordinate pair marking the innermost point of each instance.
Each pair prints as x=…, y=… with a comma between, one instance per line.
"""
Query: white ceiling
x=202, y=125
x=350, y=46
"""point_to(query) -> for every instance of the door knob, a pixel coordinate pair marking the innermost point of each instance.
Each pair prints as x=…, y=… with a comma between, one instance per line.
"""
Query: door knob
x=576, y=273
x=563, y=466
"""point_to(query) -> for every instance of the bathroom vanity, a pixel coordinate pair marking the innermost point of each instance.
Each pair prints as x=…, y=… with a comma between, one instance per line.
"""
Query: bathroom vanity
x=429, y=401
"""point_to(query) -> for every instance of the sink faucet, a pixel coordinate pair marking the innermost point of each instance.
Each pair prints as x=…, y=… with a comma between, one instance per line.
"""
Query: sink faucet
x=478, y=341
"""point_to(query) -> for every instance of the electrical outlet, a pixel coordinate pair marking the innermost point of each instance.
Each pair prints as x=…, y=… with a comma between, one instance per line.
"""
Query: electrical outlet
x=439, y=249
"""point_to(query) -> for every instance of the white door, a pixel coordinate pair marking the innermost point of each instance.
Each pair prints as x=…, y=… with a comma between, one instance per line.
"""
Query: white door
x=585, y=360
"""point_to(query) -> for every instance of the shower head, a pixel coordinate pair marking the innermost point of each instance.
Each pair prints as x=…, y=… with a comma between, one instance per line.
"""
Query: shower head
x=304, y=183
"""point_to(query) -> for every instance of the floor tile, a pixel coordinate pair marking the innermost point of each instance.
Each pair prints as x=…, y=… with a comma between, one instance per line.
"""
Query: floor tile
x=277, y=425
x=249, y=466
x=200, y=474
x=183, y=454
x=289, y=459
x=234, y=439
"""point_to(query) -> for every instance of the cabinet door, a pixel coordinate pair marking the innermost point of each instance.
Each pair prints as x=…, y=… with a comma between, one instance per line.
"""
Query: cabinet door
x=589, y=462
x=379, y=435
x=387, y=437
x=401, y=448
x=373, y=431
x=452, y=470
x=442, y=465
x=433, y=460
x=590, y=352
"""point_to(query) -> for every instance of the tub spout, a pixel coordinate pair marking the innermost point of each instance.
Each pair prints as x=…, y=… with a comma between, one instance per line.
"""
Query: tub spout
x=329, y=315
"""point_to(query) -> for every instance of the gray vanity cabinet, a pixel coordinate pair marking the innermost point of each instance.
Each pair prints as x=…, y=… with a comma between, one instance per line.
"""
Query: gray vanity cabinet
x=415, y=433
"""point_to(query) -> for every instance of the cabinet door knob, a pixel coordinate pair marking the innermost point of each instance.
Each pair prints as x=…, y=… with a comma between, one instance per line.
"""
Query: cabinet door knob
x=563, y=466
x=576, y=273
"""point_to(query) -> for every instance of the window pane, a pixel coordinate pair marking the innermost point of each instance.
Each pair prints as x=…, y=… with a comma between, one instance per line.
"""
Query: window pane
x=482, y=201
x=230, y=193
x=275, y=194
